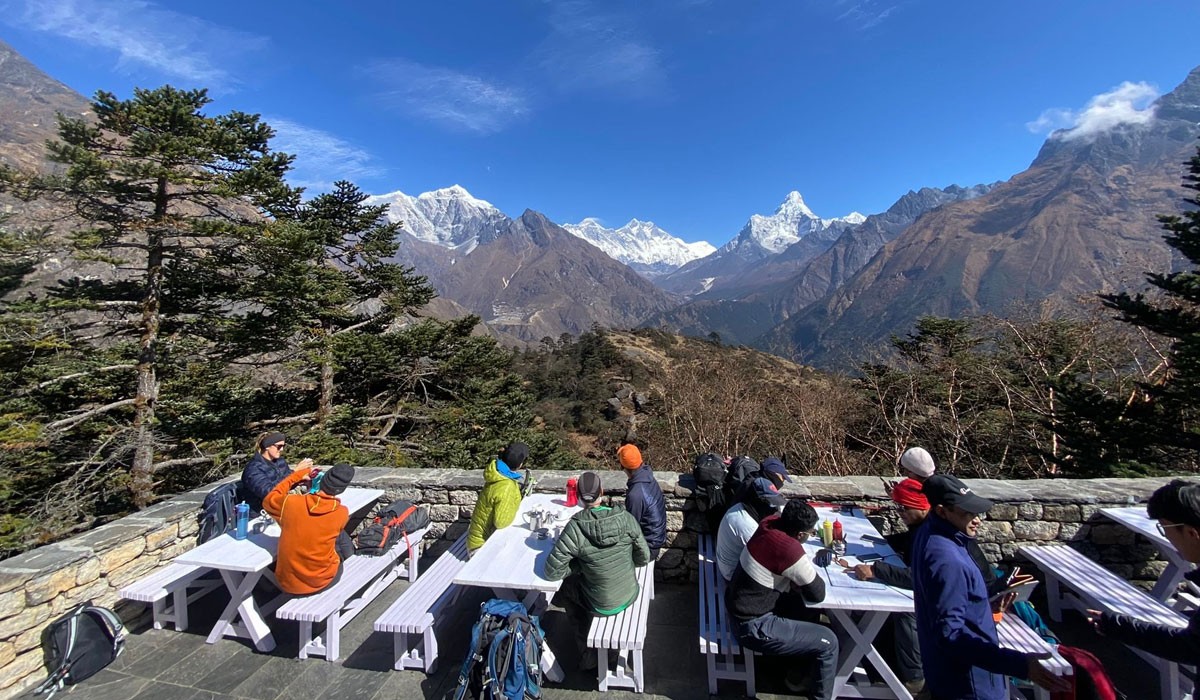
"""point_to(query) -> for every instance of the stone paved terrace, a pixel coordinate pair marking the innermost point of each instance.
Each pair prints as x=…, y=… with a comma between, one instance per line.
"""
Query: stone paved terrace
x=180, y=666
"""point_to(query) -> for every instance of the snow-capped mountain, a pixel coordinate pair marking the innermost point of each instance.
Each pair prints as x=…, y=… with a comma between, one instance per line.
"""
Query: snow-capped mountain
x=449, y=217
x=640, y=244
x=790, y=222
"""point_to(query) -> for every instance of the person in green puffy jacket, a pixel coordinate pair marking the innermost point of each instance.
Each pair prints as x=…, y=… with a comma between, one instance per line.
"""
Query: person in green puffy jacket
x=595, y=556
x=501, y=496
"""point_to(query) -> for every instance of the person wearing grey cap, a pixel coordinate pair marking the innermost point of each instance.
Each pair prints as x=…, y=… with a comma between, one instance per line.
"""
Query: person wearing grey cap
x=595, y=556
x=267, y=468
x=960, y=650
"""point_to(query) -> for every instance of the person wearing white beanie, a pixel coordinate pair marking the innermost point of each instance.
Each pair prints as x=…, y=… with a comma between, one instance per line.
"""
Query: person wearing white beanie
x=918, y=462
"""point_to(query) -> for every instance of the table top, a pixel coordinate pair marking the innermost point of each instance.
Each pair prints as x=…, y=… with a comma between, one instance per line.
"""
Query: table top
x=844, y=591
x=258, y=550
x=1135, y=519
x=513, y=558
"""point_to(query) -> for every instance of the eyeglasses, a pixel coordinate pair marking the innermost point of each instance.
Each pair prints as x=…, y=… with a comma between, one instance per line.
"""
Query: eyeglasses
x=279, y=446
x=1162, y=529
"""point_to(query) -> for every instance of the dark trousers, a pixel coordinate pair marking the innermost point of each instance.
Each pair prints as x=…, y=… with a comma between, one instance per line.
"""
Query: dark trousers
x=781, y=636
x=579, y=614
x=907, y=650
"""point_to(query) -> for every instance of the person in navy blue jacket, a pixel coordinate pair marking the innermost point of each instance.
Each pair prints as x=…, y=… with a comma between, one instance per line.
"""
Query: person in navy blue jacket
x=266, y=469
x=1176, y=507
x=644, y=497
x=960, y=652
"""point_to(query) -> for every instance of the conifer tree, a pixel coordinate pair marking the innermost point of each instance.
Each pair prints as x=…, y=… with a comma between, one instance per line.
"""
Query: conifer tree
x=164, y=192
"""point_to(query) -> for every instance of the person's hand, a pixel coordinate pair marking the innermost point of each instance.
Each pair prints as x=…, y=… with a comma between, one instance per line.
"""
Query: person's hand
x=1004, y=602
x=864, y=572
x=305, y=465
x=1093, y=618
x=1041, y=676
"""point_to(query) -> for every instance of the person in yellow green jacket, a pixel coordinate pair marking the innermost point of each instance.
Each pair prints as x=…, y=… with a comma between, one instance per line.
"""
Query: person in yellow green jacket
x=501, y=496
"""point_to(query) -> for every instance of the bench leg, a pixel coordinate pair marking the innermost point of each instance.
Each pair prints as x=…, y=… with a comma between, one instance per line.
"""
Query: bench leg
x=750, y=691
x=333, y=636
x=602, y=669
x=181, y=605
x=161, y=616
x=306, y=638
x=1054, y=598
x=431, y=650
x=711, y=658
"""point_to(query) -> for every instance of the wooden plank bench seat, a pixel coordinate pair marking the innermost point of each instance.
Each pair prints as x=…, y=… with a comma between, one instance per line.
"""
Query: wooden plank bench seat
x=169, y=589
x=725, y=657
x=1015, y=634
x=1073, y=580
x=416, y=611
x=363, y=578
x=625, y=633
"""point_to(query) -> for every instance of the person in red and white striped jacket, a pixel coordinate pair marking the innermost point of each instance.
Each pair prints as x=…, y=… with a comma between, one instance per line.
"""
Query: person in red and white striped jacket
x=767, y=595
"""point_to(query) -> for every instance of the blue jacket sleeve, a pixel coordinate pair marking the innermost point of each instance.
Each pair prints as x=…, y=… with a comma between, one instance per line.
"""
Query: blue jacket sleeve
x=956, y=639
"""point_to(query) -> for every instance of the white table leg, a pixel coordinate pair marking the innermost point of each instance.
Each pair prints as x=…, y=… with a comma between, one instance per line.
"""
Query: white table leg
x=861, y=635
x=1166, y=585
x=241, y=605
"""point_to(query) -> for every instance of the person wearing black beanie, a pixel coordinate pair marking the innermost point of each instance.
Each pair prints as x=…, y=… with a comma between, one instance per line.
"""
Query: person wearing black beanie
x=500, y=498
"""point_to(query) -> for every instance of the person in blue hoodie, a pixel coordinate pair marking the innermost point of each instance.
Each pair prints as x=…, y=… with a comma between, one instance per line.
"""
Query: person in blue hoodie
x=644, y=497
x=960, y=652
x=266, y=469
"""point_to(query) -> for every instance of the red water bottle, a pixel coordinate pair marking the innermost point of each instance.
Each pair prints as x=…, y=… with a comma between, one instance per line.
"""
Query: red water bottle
x=572, y=492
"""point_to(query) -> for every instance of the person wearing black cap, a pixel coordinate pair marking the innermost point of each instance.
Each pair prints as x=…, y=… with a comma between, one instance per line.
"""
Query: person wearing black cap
x=500, y=498
x=1176, y=507
x=595, y=556
x=768, y=593
x=738, y=524
x=960, y=651
x=312, y=531
x=267, y=468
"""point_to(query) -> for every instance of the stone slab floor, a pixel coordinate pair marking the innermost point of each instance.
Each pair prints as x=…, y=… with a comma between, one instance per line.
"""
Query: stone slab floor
x=180, y=666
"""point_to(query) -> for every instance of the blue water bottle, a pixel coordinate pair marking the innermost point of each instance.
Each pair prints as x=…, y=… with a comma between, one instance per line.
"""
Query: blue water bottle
x=243, y=521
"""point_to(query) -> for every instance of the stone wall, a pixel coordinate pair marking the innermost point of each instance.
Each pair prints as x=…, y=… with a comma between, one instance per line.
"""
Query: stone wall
x=42, y=584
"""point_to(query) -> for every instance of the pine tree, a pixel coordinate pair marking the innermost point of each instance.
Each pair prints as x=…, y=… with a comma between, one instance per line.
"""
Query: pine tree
x=165, y=193
x=1166, y=418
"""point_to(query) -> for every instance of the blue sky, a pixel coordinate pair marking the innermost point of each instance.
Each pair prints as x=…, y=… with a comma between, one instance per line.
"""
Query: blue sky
x=691, y=113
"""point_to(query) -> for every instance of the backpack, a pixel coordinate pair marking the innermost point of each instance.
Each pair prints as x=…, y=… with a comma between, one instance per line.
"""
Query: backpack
x=217, y=515
x=708, y=471
x=742, y=470
x=389, y=526
x=504, y=661
x=1090, y=679
x=77, y=645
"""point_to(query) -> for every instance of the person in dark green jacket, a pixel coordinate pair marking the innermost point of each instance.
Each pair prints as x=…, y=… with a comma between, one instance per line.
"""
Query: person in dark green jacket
x=501, y=496
x=595, y=557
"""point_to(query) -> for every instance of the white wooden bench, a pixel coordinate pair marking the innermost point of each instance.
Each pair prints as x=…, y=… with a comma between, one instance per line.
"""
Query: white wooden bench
x=1073, y=580
x=718, y=642
x=169, y=590
x=363, y=578
x=624, y=632
x=1015, y=634
x=417, y=608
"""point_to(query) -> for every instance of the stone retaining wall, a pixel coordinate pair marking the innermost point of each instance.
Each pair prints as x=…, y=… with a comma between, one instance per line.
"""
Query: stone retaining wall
x=40, y=585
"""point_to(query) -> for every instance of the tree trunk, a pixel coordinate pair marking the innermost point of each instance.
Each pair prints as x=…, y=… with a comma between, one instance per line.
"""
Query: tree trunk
x=142, y=472
x=325, y=401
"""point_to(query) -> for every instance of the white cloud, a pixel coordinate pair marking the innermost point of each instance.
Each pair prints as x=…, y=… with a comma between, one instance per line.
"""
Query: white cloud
x=454, y=100
x=863, y=14
x=321, y=157
x=1128, y=103
x=588, y=50
x=141, y=33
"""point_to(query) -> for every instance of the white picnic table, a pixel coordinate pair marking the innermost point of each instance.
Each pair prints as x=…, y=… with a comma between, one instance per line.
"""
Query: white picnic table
x=1136, y=519
x=243, y=562
x=513, y=560
x=845, y=595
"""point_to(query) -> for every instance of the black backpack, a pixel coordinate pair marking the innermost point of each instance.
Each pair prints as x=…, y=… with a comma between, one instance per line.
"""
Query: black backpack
x=217, y=515
x=389, y=526
x=708, y=471
x=742, y=470
x=77, y=645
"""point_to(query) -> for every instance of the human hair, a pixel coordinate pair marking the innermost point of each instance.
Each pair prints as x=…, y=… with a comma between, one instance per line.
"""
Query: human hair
x=798, y=516
x=1178, y=501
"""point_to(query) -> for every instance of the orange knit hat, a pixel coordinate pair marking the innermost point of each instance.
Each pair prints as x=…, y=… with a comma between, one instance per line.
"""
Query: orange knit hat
x=630, y=456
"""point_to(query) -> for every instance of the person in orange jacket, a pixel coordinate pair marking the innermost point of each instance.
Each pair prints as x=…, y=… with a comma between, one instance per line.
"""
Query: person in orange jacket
x=312, y=536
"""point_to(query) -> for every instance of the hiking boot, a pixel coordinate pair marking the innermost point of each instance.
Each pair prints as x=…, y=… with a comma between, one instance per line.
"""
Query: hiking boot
x=587, y=662
x=915, y=686
x=798, y=680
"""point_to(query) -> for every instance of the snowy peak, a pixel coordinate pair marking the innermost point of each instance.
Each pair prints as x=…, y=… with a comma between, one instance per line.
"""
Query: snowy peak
x=449, y=217
x=792, y=220
x=640, y=243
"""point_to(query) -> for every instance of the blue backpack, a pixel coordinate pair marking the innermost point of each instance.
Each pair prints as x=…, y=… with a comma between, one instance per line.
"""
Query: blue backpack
x=217, y=515
x=504, y=661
